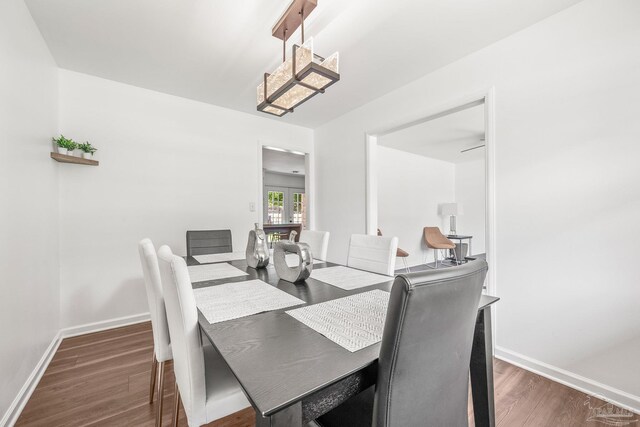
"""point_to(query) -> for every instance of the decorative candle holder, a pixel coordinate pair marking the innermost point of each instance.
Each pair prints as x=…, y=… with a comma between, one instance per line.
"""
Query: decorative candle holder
x=257, y=253
x=305, y=261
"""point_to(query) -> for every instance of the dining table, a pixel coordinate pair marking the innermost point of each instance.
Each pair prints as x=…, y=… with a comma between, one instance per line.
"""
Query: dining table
x=292, y=374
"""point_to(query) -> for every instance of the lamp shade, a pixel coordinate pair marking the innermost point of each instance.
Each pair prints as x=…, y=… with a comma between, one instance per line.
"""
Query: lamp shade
x=447, y=209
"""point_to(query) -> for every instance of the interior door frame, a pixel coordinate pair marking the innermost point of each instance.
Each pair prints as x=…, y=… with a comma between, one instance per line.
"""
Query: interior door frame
x=486, y=97
x=309, y=178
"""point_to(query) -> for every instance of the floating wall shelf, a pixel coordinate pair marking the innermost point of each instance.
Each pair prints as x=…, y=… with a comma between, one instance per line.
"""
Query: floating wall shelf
x=63, y=158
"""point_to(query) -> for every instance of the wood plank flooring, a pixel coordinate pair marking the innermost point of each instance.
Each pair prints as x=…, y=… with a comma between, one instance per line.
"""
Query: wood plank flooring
x=102, y=379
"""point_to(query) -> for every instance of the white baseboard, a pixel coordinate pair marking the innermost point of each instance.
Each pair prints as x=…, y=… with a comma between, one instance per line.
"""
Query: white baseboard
x=11, y=416
x=593, y=388
x=104, y=325
x=15, y=409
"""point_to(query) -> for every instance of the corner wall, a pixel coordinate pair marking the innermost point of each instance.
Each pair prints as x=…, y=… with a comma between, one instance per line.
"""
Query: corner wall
x=167, y=165
x=29, y=307
x=410, y=188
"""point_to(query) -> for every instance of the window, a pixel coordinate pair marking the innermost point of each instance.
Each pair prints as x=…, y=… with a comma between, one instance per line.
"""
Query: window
x=299, y=216
x=284, y=205
x=275, y=207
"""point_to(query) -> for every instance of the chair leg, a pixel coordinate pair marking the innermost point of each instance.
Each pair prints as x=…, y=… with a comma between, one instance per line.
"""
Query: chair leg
x=176, y=406
x=154, y=373
x=435, y=256
x=406, y=267
x=160, y=395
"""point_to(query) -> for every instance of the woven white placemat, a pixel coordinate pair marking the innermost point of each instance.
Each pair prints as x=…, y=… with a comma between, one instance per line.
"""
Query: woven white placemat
x=239, y=299
x=348, y=278
x=353, y=322
x=202, y=273
x=227, y=256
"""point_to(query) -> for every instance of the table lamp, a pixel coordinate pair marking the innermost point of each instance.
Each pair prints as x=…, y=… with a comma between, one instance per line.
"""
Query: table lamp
x=451, y=210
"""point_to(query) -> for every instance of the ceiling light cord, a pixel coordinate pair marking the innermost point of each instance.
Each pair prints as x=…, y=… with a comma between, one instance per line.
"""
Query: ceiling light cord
x=284, y=46
x=302, y=23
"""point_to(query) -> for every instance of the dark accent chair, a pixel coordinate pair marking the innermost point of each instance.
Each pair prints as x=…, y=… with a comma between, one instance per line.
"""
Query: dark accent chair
x=203, y=242
x=423, y=369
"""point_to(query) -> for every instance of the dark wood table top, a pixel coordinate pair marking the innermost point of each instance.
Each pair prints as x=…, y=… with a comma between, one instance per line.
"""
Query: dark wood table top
x=277, y=359
x=458, y=236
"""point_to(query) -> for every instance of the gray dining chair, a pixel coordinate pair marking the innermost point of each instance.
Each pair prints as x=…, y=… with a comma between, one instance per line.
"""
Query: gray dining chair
x=204, y=242
x=423, y=368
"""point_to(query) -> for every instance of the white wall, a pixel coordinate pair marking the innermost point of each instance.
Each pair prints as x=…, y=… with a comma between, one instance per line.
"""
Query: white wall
x=167, y=165
x=410, y=188
x=567, y=184
x=471, y=193
x=29, y=307
x=283, y=180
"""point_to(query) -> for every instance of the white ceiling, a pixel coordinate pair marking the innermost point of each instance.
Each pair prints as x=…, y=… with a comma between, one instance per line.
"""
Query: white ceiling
x=216, y=51
x=443, y=138
x=282, y=162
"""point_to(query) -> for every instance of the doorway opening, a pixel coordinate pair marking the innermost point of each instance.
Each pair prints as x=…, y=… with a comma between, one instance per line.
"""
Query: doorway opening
x=284, y=195
x=424, y=172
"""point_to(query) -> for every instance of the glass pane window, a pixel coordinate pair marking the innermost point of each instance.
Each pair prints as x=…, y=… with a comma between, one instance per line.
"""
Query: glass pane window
x=299, y=216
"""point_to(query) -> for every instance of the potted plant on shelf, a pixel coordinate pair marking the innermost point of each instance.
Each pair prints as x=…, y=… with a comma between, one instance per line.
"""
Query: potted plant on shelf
x=87, y=150
x=65, y=145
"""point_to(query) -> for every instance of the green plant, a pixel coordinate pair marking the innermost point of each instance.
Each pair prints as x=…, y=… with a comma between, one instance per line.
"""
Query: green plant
x=87, y=147
x=67, y=143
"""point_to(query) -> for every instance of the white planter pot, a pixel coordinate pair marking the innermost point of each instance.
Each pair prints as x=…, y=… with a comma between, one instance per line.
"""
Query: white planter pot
x=87, y=155
x=63, y=151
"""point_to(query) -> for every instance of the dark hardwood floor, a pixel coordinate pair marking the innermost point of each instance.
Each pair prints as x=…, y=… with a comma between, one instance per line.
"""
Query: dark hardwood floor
x=102, y=379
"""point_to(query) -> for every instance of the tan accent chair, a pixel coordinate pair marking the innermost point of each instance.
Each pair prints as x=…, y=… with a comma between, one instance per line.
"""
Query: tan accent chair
x=400, y=253
x=436, y=240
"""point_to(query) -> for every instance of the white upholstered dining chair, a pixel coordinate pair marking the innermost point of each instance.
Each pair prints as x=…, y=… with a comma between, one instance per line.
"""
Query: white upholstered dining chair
x=205, y=385
x=159, y=326
x=376, y=254
x=318, y=241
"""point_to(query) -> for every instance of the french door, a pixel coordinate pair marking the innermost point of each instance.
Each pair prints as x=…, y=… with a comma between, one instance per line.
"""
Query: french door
x=284, y=205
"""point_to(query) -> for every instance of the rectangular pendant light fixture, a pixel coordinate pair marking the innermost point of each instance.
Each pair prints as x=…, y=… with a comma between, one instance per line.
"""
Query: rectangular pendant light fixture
x=300, y=77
